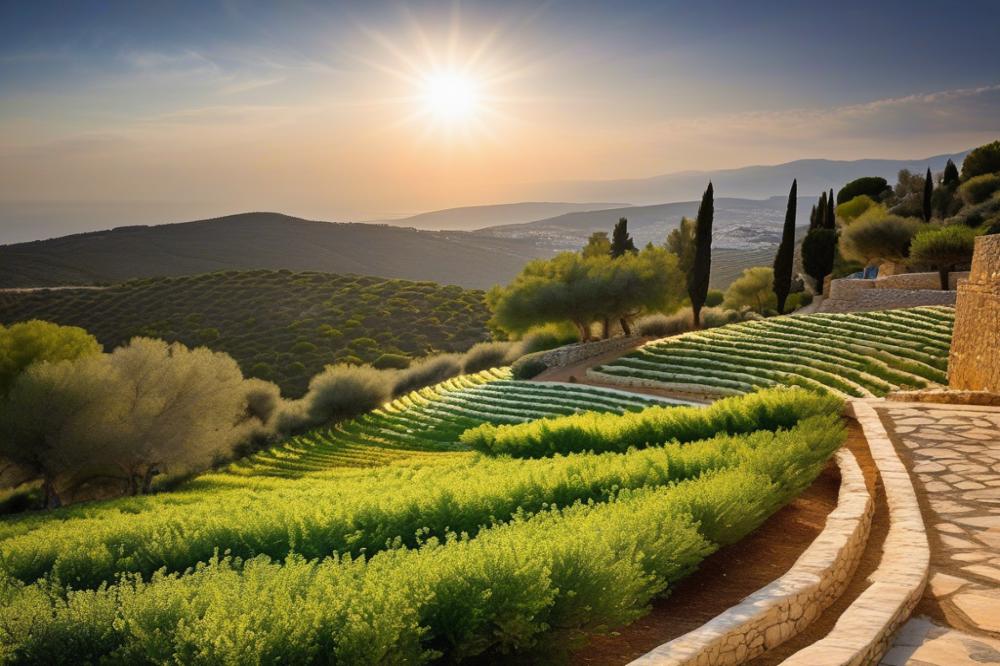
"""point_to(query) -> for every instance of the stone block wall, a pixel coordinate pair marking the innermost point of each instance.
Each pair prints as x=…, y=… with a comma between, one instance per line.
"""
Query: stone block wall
x=974, y=364
x=568, y=354
x=919, y=280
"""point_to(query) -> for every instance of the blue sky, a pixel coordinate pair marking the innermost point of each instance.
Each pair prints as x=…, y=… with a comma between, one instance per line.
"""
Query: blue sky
x=319, y=107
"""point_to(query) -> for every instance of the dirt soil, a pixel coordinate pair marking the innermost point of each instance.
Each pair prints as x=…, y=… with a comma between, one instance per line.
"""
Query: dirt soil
x=724, y=578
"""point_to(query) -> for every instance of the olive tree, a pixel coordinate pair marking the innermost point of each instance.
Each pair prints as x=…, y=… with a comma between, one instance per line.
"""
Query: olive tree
x=944, y=248
x=28, y=342
x=875, y=238
x=147, y=408
x=753, y=290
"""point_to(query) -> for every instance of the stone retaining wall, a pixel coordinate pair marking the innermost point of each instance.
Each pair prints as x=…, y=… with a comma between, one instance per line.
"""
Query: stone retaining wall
x=915, y=281
x=864, y=631
x=569, y=354
x=784, y=608
x=887, y=299
x=974, y=364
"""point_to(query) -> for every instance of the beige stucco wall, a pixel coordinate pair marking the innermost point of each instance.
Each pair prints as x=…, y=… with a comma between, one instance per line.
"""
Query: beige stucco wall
x=974, y=364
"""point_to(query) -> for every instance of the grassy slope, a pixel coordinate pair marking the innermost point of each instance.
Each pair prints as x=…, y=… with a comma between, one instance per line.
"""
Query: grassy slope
x=264, y=240
x=278, y=325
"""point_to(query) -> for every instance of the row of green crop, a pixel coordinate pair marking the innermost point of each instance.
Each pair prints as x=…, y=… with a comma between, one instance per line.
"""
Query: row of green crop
x=530, y=584
x=856, y=354
x=764, y=410
x=431, y=419
x=364, y=513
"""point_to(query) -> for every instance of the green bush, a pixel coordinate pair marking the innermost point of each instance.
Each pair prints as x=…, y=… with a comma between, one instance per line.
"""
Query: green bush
x=392, y=361
x=486, y=355
x=980, y=188
x=529, y=366
x=427, y=371
x=854, y=208
x=714, y=298
x=982, y=160
x=871, y=186
x=765, y=410
x=35, y=341
x=944, y=248
x=879, y=238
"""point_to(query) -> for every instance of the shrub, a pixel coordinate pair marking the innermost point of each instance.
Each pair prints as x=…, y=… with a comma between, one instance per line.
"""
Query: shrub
x=944, y=248
x=392, y=362
x=982, y=160
x=550, y=336
x=878, y=238
x=529, y=366
x=339, y=392
x=765, y=410
x=978, y=189
x=661, y=325
x=754, y=289
x=714, y=298
x=871, y=186
x=427, y=371
x=852, y=209
x=486, y=355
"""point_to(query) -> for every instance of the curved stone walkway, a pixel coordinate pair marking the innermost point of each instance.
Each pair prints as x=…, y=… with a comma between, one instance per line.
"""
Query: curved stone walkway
x=953, y=453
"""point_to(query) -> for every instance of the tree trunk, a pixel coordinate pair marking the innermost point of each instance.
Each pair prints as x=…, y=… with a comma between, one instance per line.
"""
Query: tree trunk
x=584, y=331
x=52, y=500
x=696, y=317
x=943, y=274
x=625, y=327
x=606, y=328
x=147, y=479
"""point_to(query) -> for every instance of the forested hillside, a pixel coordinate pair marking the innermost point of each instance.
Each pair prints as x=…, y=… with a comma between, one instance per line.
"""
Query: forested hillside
x=278, y=325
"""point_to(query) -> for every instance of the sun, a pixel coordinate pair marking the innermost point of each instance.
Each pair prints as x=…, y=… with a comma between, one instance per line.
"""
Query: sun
x=450, y=96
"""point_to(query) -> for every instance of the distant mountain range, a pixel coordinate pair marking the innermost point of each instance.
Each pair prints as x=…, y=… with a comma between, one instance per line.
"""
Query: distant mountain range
x=474, y=217
x=265, y=240
x=738, y=224
x=751, y=182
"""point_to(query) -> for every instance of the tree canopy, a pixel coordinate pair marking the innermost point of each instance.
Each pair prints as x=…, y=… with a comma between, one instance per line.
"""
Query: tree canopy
x=753, y=290
x=621, y=242
x=982, y=160
x=872, y=186
x=944, y=248
x=785, y=256
x=701, y=269
x=33, y=341
x=584, y=290
x=873, y=238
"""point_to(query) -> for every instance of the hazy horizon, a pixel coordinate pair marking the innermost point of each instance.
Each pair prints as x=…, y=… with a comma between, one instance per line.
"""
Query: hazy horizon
x=122, y=113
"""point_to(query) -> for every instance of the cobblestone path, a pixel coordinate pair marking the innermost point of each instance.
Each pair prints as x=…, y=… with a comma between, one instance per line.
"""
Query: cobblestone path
x=953, y=453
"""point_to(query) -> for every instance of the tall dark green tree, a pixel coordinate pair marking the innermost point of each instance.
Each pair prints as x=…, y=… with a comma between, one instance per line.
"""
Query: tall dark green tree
x=821, y=212
x=950, y=174
x=928, y=193
x=621, y=242
x=702, y=268
x=813, y=220
x=819, y=249
x=785, y=257
x=831, y=212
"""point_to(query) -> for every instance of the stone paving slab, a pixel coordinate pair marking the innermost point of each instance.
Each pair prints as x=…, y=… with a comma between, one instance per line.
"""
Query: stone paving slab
x=954, y=455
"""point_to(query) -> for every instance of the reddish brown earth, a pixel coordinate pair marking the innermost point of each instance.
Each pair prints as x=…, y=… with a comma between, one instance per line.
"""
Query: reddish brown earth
x=728, y=576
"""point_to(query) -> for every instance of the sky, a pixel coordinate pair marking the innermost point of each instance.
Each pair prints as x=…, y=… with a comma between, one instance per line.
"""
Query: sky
x=148, y=112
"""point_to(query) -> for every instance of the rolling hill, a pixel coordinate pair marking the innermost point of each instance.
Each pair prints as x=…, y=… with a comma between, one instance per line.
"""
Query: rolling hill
x=265, y=241
x=467, y=218
x=278, y=325
x=752, y=182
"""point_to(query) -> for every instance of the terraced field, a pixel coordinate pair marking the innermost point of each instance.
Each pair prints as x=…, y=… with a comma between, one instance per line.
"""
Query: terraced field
x=857, y=354
x=429, y=421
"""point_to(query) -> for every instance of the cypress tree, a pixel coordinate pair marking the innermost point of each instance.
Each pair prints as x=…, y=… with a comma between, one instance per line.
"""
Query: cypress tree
x=950, y=174
x=813, y=222
x=702, y=268
x=831, y=213
x=928, y=192
x=621, y=242
x=786, y=252
x=821, y=212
